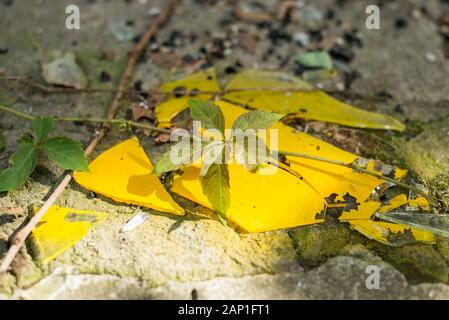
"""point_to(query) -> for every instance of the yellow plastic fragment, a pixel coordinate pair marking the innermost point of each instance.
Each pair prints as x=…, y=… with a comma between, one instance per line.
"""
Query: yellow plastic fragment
x=310, y=103
x=394, y=203
x=391, y=233
x=327, y=179
x=205, y=80
x=259, y=202
x=364, y=211
x=420, y=203
x=123, y=173
x=61, y=228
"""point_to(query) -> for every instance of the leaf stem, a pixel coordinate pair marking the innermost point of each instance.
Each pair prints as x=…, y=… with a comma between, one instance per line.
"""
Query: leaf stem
x=17, y=113
x=361, y=170
x=106, y=121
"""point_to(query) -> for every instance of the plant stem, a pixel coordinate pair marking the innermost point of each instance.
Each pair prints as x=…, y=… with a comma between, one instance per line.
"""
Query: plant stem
x=106, y=121
x=361, y=170
x=17, y=113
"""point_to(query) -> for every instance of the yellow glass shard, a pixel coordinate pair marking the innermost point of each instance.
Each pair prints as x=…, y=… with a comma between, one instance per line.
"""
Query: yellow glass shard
x=259, y=202
x=364, y=211
x=331, y=181
x=420, y=203
x=394, y=203
x=61, y=228
x=205, y=80
x=391, y=233
x=303, y=101
x=123, y=173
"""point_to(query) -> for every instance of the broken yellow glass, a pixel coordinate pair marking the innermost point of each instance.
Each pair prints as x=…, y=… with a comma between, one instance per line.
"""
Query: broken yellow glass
x=333, y=182
x=123, y=173
x=259, y=202
x=299, y=99
x=391, y=233
x=61, y=228
x=205, y=81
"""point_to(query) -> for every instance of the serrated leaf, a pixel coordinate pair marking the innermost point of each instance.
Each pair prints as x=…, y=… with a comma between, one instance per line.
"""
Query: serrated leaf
x=252, y=155
x=22, y=164
x=42, y=126
x=257, y=119
x=208, y=113
x=210, y=155
x=216, y=187
x=66, y=152
x=167, y=163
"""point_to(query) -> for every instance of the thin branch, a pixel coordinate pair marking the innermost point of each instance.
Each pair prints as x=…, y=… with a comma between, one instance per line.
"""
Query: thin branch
x=133, y=56
x=361, y=170
x=17, y=113
x=120, y=121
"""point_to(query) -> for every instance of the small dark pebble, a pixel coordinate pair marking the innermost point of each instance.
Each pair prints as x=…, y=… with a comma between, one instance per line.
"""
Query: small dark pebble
x=8, y=3
x=400, y=23
x=384, y=94
x=230, y=70
x=352, y=38
x=4, y=50
x=137, y=85
x=349, y=78
x=277, y=35
x=342, y=53
x=104, y=76
x=78, y=123
x=188, y=58
x=330, y=14
x=194, y=294
x=399, y=109
x=91, y=195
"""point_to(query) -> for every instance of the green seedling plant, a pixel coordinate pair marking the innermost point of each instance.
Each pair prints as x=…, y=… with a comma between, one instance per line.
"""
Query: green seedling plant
x=65, y=152
x=214, y=174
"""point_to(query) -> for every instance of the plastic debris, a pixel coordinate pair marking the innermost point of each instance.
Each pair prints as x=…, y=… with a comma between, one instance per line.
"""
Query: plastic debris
x=135, y=221
x=123, y=173
x=65, y=71
x=61, y=228
x=333, y=189
x=286, y=94
x=435, y=223
x=205, y=80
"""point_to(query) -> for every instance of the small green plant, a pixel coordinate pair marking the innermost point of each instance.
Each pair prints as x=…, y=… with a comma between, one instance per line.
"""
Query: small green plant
x=64, y=151
x=214, y=173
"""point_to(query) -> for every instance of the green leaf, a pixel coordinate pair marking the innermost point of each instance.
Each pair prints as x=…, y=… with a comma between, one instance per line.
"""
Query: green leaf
x=165, y=164
x=252, y=155
x=215, y=185
x=257, y=119
x=42, y=126
x=22, y=164
x=210, y=155
x=208, y=113
x=66, y=152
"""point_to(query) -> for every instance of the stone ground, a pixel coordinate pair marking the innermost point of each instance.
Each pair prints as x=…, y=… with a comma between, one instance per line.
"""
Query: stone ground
x=401, y=69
